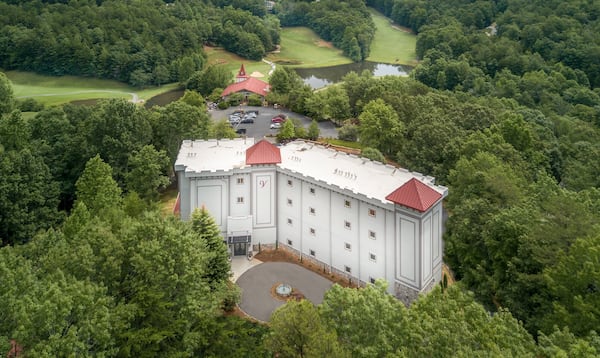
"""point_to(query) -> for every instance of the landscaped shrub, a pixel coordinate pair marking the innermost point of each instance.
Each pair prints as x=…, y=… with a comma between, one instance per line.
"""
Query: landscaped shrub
x=223, y=105
x=348, y=132
x=254, y=100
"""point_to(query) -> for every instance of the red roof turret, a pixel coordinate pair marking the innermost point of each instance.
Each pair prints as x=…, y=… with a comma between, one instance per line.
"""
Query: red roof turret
x=263, y=152
x=414, y=194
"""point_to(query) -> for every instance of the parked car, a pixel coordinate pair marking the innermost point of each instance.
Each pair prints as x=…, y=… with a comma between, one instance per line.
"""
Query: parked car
x=254, y=111
x=276, y=125
x=241, y=131
x=277, y=119
x=247, y=119
x=234, y=119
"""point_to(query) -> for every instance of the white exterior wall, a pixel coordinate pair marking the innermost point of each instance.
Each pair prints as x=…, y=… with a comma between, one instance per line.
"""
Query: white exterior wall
x=408, y=247
x=316, y=228
x=342, y=236
x=213, y=194
x=391, y=245
x=185, y=197
x=407, y=244
x=291, y=230
x=264, y=197
x=239, y=190
x=372, y=269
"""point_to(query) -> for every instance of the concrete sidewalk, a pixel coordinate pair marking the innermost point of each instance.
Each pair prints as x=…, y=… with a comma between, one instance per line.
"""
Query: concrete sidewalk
x=241, y=264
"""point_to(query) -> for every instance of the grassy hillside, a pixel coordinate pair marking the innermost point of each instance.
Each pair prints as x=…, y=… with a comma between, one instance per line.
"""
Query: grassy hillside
x=392, y=44
x=301, y=47
x=57, y=90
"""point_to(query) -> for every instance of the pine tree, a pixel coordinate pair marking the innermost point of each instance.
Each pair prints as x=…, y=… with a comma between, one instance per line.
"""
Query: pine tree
x=218, y=267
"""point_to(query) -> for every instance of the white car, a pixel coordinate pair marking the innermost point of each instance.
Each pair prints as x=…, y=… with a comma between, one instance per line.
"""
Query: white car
x=275, y=125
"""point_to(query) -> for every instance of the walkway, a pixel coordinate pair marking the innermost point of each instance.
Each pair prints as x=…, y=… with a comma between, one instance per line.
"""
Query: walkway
x=256, y=284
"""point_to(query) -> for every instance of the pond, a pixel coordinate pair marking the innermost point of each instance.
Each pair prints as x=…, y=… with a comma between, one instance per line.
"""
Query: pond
x=323, y=76
x=164, y=98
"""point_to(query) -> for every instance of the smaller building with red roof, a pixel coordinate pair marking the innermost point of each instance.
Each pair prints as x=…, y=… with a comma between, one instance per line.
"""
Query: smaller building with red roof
x=347, y=214
x=246, y=85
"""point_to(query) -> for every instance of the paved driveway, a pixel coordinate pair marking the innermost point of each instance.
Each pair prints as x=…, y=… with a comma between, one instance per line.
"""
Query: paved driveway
x=260, y=127
x=256, y=284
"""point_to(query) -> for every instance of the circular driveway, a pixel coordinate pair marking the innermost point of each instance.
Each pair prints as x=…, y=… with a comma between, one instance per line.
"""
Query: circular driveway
x=256, y=284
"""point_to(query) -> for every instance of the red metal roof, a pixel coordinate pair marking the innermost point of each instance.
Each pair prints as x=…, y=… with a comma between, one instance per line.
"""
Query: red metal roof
x=263, y=152
x=415, y=195
x=252, y=84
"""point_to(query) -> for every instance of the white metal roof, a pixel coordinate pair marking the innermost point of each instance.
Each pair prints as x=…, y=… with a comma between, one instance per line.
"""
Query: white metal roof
x=213, y=155
x=346, y=171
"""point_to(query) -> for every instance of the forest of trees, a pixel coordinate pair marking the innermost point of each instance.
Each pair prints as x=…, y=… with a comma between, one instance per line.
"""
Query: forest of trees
x=509, y=121
x=347, y=24
x=138, y=42
x=156, y=42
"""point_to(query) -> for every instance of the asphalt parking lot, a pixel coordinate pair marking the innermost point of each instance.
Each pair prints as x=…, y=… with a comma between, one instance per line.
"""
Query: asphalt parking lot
x=260, y=127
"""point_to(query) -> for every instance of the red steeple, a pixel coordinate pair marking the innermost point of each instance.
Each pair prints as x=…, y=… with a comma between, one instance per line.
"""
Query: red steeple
x=415, y=195
x=241, y=76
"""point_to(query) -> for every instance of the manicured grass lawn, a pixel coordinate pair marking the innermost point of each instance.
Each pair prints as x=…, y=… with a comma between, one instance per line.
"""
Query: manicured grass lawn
x=392, y=44
x=301, y=47
x=217, y=55
x=57, y=90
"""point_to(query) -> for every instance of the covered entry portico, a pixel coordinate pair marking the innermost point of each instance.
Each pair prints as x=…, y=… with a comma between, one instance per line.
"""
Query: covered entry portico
x=239, y=235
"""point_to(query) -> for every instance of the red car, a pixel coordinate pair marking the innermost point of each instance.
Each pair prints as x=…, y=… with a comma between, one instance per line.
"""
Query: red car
x=278, y=119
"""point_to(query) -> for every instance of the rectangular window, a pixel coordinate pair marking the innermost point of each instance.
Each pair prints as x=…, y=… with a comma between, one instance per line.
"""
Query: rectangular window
x=312, y=231
x=372, y=212
x=312, y=191
x=240, y=180
x=372, y=257
x=372, y=235
x=289, y=242
x=289, y=221
x=240, y=199
x=372, y=280
x=289, y=202
x=311, y=211
x=289, y=183
x=347, y=203
x=312, y=253
x=347, y=246
x=347, y=269
x=347, y=225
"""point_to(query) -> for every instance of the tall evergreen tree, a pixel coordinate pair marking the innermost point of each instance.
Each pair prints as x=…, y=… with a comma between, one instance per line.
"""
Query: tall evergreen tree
x=218, y=267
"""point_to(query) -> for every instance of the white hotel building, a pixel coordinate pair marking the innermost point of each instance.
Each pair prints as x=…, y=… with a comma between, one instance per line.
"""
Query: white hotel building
x=351, y=215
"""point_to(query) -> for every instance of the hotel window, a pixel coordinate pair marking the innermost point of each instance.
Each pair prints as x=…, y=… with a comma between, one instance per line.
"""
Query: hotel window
x=312, y=191
x=372, y=257
x=240, y=180
x=312, y=231
x=372, y=235
x=372, y=280
x=312, y=253
x=240, y=199
x=289, y=242
x=347, y=246
x=372, y=212
x=347, y=269
x=347, y=225
x=289, y=182
x=311, y=211
x=289, y=201
x=289, y=221
x=347, y=203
